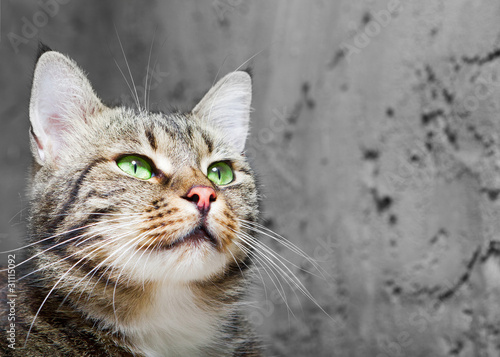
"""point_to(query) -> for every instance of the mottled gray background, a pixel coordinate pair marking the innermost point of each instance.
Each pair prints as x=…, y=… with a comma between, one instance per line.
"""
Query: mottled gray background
x=374, y=133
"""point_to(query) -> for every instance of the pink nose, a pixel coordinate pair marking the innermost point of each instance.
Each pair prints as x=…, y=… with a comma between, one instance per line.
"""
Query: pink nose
x=202, y=196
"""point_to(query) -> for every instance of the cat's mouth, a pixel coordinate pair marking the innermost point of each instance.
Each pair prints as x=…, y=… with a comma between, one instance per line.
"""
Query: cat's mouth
x=197, y=236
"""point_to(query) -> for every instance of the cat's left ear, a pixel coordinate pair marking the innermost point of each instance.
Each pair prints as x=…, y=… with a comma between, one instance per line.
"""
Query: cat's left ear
x=227, y=105
x=62, y=99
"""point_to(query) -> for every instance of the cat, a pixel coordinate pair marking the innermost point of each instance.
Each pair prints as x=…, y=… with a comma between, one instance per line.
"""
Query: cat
x=140, y=231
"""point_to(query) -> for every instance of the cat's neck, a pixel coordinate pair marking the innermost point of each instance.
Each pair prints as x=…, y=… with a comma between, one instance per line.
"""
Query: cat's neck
x=176, y=322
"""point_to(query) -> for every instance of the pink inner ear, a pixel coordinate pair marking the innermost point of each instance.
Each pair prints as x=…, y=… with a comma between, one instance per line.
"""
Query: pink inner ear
x=54, y=123
x=56, y=129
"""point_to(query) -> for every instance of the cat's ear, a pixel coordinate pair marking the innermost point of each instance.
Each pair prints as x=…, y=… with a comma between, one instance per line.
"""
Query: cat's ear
x=227, y=105
x=61, y=100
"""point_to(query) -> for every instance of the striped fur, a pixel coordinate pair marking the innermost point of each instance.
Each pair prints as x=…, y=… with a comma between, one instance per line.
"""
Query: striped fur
x=106, y=274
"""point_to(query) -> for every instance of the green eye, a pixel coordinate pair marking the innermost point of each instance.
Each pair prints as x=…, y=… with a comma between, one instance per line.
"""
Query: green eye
x=135, y=166
x=220, y=173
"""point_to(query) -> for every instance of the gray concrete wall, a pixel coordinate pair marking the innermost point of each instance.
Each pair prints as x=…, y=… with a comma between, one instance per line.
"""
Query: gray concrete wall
x=375, y=135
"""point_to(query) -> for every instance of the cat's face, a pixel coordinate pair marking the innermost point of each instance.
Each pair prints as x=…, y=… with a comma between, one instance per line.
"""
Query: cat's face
x=149, y=196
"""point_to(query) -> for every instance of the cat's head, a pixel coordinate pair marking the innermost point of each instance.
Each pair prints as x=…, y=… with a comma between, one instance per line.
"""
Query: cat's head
x=153, y=196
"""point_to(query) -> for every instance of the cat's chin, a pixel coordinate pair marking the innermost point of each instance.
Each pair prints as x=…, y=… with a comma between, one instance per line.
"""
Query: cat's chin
x=192, y=260
x=194, y=256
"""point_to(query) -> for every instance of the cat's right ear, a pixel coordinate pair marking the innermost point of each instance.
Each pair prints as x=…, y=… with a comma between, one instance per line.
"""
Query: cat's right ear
x=61, y=100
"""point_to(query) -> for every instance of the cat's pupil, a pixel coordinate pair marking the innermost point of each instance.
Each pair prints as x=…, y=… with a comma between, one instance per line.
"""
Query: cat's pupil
x=135, y=166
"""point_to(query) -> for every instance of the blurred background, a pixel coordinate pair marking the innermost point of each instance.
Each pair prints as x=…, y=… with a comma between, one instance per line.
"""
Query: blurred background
x=374, y=135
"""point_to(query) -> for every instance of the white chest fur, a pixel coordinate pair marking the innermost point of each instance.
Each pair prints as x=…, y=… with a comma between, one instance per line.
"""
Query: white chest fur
x=174, y=324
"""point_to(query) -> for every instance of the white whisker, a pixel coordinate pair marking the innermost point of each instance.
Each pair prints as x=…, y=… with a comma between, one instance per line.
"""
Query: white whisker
x=154, y=66
x=52, y=237
x=287, y=274
x=55, y=286
x=129, y=71
x=123, y=267
x=146, y=106
x=96, y=234
x=158, y=244
x=282, y=240
x=280, y=289
x=152, y=239
x=69, y=240
x=112, y=266
x=278, y=256
x=96, y=268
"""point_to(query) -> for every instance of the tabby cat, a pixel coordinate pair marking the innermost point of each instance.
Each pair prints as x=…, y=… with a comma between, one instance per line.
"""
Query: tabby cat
x=139, y=230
